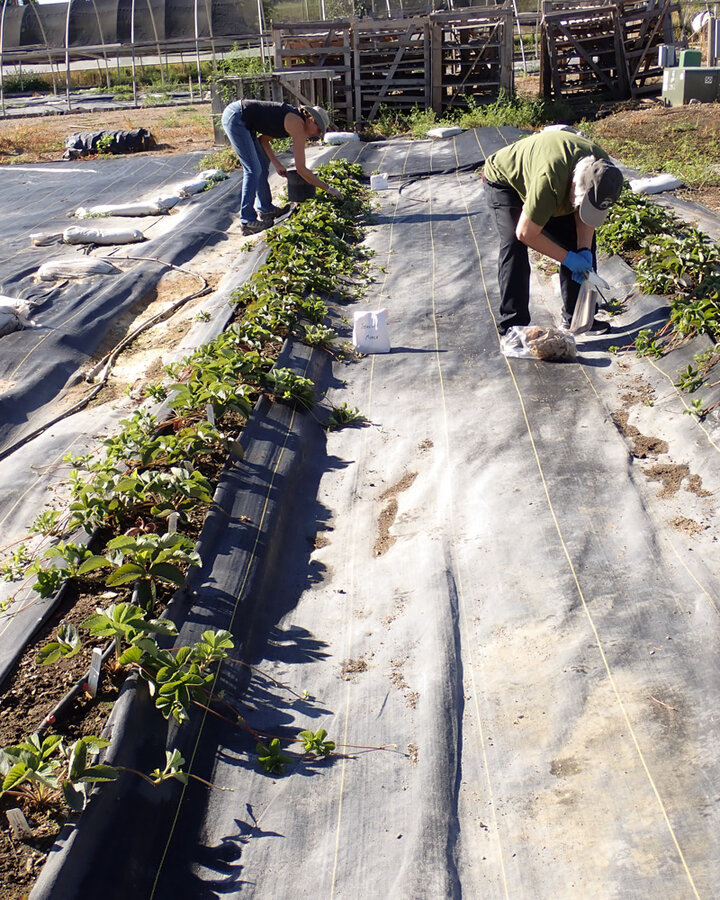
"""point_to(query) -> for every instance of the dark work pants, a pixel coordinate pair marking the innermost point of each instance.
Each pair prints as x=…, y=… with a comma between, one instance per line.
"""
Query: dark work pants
x=513, y=262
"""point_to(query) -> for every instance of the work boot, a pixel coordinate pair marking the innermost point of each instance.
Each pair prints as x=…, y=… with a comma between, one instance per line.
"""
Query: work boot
x=253, y=227
x=274, y=213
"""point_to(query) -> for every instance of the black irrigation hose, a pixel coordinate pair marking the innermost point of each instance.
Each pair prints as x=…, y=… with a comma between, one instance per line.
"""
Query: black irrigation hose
x=62, y=705
x=105, y=365
x=418, y=176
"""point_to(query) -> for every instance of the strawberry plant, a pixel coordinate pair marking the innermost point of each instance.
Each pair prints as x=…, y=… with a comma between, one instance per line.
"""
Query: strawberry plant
x=67, y=645
x=144, y=560
x=315, y=743
x=271, y=757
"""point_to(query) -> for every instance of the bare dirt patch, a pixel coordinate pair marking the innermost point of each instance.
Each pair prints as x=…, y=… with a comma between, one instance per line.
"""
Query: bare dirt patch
x=648, y=123
x=641, y=446
x=687, y=526
x=670, y=475
x=175, y=129
x=387, y=517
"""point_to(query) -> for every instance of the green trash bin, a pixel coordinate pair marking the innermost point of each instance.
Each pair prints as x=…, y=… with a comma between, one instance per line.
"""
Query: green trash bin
x=690, y=58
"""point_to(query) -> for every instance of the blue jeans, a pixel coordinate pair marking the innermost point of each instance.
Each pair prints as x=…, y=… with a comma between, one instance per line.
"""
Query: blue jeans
x=255, y=163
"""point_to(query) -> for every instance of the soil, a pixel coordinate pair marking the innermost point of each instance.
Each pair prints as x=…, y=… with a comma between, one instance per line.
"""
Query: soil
x=175, y=129
x=649, y=123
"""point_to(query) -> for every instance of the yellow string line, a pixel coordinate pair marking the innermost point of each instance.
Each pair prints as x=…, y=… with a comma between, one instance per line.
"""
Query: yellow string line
x=246, y=575
x=353, y=543
x=682, y=562
x=468, y=648
x=109, y=287
x=581, y=595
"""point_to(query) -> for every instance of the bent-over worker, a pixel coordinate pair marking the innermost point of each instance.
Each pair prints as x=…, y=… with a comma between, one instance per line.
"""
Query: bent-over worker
x=549, y=192
x=251, y=125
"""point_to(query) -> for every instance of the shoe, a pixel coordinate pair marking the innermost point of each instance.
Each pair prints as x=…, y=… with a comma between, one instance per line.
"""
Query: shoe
x=253, y=227
x=599, y=326
x=274, y=213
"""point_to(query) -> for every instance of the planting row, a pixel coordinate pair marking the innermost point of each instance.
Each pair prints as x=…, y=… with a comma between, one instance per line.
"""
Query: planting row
x=128, y=532
x=674, y=260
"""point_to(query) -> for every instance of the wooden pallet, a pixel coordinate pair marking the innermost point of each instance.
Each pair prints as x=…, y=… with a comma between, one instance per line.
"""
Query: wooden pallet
x=391, y=65
x=320, y=45
x=472, y=56
x=583, y=54
x=645, y=25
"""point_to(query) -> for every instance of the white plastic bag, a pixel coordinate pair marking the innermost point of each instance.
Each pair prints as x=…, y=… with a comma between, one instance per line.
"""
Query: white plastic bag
x=370, y=332
x=14, y=315
x=79, y=234
x=587, y=303
x=379, y=182
x=534, y=342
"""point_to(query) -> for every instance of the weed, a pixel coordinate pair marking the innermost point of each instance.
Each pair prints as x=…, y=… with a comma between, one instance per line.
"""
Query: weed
x=344, y=416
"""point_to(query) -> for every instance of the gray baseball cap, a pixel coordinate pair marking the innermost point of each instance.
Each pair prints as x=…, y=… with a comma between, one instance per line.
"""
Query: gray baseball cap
x=601, y=185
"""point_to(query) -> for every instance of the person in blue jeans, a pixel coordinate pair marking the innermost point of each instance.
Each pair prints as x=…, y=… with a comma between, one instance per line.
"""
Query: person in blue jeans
x=548, y=192
x=251, y=126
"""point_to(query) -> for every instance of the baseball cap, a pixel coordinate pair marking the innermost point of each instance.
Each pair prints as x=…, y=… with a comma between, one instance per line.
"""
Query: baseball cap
x=601, y=186
x=321, y=118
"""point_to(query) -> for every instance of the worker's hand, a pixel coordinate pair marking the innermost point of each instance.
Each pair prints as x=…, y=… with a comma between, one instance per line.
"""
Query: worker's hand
x=282, y=171
x=579, y=263
x=334, y=192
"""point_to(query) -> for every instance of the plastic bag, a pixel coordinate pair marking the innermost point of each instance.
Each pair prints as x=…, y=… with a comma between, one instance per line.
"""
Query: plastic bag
x=370, y=332
x=14, y=315
x=585, y=308
x=587, y=303
x=534, y=342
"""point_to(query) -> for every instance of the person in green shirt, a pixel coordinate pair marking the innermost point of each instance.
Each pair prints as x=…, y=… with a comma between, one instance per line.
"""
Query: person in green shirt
x=549, y=192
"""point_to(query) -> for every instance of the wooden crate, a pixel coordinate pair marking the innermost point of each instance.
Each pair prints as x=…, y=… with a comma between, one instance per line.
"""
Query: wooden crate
x=472, y=56
x=320, y=45
x=645, y=25
x=301, y=87
x=583, y=54
x=391, y=65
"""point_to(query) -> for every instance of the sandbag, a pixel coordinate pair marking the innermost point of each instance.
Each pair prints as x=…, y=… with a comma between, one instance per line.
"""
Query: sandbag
x=140, y=208
x=83, y=234
x=213, y=175
x=14, y=315
x=654, y=184
x=75, y=267
x=340, y=137
x=45, y=238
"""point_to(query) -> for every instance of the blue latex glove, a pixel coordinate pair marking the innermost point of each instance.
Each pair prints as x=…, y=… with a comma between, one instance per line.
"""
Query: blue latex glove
x=579, y=263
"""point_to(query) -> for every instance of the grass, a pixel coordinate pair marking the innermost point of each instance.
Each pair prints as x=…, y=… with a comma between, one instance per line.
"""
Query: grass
x=681, y=149
x=520, y=112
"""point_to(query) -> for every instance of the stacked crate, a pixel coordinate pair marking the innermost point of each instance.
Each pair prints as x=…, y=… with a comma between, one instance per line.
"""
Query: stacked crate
x=391, y=65
x=472, y=56
x=645, y=26
x=320, y=45
x=582, y=53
